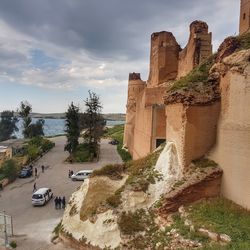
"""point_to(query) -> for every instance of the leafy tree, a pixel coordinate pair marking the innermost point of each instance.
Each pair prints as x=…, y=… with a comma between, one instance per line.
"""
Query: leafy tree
x=93, y=122
x=72, y=128
x=36, y=129
x=30, y=130
x=9, y=169
x=7, y=125
x=24, y=112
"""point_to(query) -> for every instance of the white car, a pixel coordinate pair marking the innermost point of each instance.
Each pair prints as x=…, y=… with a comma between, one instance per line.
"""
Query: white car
x=41, y=196
x=81, y=175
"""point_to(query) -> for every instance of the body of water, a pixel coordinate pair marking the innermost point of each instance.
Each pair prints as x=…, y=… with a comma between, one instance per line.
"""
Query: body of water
x=55, y=126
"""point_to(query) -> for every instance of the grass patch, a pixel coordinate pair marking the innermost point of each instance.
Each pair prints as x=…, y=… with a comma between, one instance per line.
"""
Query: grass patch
x=115, y=199
x=198, y=74
x=185, y=230
x=82, y=154
x=223, y=216
x=205, y=163
x=131, y=223
x=99, y=190
x=244, y=41
x=117, y=133
x=114, y=172
x=141, y=172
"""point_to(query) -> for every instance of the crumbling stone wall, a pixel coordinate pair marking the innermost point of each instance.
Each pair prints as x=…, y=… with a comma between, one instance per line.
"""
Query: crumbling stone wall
x=145, y=119
x=198, y=49
x=163, y=58
x=244, y=16
x=135, y=87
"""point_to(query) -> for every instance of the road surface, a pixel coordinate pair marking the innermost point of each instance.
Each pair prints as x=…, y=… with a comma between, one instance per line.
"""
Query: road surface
x=33, y=225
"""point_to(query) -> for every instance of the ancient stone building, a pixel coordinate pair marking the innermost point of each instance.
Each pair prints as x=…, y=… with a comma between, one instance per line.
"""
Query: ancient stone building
x=244, y=16
x=145, y=125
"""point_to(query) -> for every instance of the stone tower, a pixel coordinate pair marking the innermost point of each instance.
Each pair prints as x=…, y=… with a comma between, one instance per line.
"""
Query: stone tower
x=135, y=87
x=244, y=16
x=198, y=49
x=163, y=58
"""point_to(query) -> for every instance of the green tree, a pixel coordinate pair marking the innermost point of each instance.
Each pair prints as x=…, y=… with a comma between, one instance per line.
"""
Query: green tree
x=7, y=125
x=30, y=129
x=72, y=130
x=24, y=112
x=93, y=122
x=9, y=169
x=36, y=129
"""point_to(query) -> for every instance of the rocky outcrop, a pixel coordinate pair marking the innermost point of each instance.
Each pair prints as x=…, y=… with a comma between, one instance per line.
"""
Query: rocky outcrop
x=194, y=187
x=198, y=94
x=232, y=150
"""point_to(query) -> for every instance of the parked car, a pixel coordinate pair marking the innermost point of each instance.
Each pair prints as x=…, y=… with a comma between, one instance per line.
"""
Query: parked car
x=114, y=142
x=25, y=172
x=81, y=175
x=41, y=196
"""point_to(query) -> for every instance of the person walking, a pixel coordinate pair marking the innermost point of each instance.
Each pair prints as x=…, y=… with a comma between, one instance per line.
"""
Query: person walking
x=69, y=173
x=34, y=187
x=42, y=168
x=63, y=202
x=56, y=202
x=35, y=172
x=59, y=202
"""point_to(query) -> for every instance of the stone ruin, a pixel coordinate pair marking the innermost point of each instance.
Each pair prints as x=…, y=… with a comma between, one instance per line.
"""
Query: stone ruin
x=212, y=122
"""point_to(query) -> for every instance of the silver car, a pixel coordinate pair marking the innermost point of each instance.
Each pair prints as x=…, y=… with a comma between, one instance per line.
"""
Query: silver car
x=81, y=175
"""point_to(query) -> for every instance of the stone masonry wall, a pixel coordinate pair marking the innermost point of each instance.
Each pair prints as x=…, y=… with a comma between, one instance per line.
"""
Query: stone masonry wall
x=244, y=16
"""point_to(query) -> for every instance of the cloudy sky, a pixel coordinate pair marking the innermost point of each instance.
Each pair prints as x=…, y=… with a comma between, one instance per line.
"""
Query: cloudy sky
x=53, y=51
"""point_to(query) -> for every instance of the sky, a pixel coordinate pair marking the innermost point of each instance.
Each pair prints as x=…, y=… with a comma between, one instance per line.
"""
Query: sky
x=53, y=52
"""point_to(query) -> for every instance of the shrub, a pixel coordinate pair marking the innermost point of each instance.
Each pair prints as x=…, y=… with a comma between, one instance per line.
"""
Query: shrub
x=13, y=244
x=47, y=145
x=9, y=170
x=130, y=223
x=114, y=172
x=205, y=163
x=33, y=152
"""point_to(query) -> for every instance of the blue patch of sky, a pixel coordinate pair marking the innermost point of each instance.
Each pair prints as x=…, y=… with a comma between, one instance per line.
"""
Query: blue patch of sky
x=39, y=59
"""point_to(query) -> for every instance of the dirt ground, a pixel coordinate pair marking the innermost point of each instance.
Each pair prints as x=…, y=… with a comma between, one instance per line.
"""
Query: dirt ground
x=33, y=225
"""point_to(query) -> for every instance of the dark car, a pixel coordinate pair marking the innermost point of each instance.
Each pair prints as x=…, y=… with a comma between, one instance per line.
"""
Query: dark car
x=114, y=142
x=25, y=172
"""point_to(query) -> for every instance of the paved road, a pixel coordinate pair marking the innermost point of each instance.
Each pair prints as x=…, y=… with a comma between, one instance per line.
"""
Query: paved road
x=33, y=225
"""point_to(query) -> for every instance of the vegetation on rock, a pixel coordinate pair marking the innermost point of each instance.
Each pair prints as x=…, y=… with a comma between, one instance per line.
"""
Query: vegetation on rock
x=114, y=172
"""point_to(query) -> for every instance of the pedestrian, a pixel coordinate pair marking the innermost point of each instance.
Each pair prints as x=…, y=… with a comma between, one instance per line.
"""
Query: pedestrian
x=59, y=202
x=63, y=202
x=69, y=173
x=42, y=169
x=56, y=202
x=35, y=172
x=34, y=187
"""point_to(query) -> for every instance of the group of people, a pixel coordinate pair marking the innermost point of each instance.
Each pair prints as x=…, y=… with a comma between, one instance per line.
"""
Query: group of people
x=60, y=202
